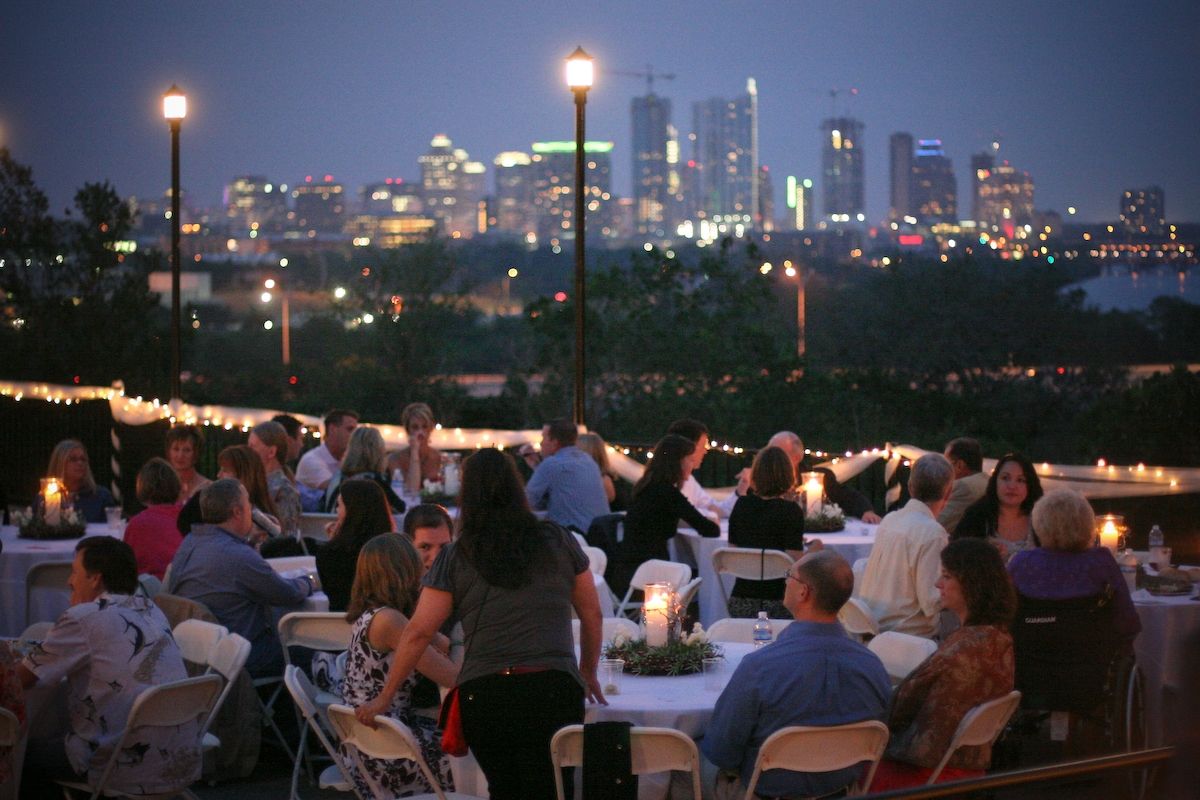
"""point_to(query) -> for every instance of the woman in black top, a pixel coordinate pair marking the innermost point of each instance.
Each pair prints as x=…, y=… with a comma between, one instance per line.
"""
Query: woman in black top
x=362, y=515
x=767, y=520
x=657, y=508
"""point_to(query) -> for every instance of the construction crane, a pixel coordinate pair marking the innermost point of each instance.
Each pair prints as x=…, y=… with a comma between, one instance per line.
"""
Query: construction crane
x=649, y=74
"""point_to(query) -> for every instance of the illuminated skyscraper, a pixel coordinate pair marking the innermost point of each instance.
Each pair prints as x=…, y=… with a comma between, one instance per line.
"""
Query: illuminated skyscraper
x=1005, y=199
x=842, y=170
x=726, y=152
x=553, y=169
x=900, y=168
x=801, y=214
x=318, y=207
x=513, y=203
x=766, y=200
x=391, y=196
x=1143, y=211
x=934, y=192
x=253, y=203
x=453, y=186
x=981, y=167
x=651, y=137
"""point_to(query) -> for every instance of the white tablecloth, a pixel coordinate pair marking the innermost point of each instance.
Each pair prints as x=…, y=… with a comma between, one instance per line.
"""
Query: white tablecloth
x=16, y=558
x=1167, y=624
x=691, y=548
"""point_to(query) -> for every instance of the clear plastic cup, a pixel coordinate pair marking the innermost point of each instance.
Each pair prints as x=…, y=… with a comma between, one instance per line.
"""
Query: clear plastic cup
x=714, y=674
x=611, y=670
x=113, y=515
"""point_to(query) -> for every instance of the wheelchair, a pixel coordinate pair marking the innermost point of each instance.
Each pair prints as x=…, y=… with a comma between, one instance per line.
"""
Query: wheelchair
x=1082, y=693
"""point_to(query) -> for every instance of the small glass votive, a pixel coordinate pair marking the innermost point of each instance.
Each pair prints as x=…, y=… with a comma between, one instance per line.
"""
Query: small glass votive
x=113, y=515
x=714, y=674
x=611, y=670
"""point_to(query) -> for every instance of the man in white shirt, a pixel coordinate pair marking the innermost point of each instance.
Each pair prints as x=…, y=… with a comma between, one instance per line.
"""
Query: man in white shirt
x=317, y=466
x=970, y=482
x=697, y=432
x=905, y=562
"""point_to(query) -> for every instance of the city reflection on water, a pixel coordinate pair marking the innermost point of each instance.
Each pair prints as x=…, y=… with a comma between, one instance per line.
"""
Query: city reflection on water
x=1122, y=289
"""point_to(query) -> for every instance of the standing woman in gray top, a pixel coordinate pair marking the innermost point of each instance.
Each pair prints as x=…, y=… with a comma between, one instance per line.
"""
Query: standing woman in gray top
x=512, y=581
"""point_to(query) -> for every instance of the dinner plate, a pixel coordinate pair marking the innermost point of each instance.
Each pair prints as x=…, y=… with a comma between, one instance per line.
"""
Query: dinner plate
x=1170, y=592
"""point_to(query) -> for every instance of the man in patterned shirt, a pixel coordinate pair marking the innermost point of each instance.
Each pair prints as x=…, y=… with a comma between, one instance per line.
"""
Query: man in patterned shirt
x=109, y=646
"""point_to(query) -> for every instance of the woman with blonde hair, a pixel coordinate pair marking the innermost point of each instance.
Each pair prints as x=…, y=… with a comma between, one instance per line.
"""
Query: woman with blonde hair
x=386, y=582
x=615, y=490
x=418, y=461
x=365, y=457
x=69, y=463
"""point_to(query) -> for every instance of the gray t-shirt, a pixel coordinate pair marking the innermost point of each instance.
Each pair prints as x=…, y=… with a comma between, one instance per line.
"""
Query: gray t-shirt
x=525, y=627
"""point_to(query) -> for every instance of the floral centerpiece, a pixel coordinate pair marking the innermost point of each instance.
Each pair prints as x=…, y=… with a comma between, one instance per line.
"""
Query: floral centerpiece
x=30, y=525
x=824, y=518
x=435, y=492
x=683, y=656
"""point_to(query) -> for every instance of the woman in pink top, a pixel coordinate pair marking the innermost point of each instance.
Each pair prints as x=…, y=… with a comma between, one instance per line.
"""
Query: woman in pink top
x=152, y=533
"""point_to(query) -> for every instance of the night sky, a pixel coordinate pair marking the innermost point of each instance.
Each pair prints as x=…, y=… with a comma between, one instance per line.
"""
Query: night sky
x=1090, y=97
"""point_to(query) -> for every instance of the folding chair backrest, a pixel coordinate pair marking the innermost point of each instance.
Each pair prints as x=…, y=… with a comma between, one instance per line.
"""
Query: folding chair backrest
x=750, y=563
x=610, y=627
x=579, y=537
x=982, y=725
x=227, y=659
x=821, y=749
x=304, y=695
x=313, y=525
x=316, y=630
x=51, y=578
x=597, y=559
x=9, y=727
x=198, y=640
x=688, y=593
x=289, y=563
x=654, y=571
x=391, y=740
x=650, y=750
x=857, y=619
x=901, y=653
x=741, y=630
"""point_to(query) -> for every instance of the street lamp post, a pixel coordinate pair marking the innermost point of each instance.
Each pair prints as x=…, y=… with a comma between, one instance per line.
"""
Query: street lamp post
x=174, y=110
x=285, y=314
x=579, y=80
x=795, y=272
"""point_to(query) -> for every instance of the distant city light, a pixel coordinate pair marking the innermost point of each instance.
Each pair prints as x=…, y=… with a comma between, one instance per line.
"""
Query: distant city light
x=267, y=325
x=339, y=293
x=269, y=283
x=512, y=272
x=265, y=297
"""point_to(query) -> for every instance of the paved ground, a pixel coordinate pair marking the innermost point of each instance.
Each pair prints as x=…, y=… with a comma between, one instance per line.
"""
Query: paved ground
x=271, y=781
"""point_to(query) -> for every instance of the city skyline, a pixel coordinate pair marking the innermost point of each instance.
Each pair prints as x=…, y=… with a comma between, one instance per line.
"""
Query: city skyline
x=287, y=90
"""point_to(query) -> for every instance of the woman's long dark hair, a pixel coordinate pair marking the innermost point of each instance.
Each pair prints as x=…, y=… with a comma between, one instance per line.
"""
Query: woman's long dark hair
x=987, y=589
x=667, y=464
x=990, y=502
x=498, y=534
x=367, y=514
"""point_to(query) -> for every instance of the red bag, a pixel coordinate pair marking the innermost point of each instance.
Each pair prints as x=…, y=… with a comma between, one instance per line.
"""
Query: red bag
x=454, y=742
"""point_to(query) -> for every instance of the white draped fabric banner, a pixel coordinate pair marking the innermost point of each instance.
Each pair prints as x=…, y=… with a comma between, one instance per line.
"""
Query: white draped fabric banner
x=1098, y=482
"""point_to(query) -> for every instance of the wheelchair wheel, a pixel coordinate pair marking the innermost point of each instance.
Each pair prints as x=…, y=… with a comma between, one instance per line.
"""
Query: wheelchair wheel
x=1127, y=719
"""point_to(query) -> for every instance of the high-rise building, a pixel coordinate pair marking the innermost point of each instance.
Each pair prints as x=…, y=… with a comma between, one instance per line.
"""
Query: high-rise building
x=553, y=168
x=766, y=200
x=1143, y=211
x=391, y=196
x=513, y=199
x=651, y=190
x=801, y=214
x=318, y=207
x=900, y=167
x=934, y=191
x=1005, y=199
x=981, y=167
x=253, y=203
x=453, y=186
x=727, y=157
x=843, y=188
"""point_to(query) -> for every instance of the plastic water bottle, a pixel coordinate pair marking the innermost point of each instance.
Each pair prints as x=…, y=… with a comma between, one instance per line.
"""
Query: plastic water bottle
x=398, y=482
x=763, y=635
x=1129, y=568
x=1156, y=537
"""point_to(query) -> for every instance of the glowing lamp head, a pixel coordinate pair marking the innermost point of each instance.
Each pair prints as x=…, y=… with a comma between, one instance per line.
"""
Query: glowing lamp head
x=579, y=70
x=174, y=104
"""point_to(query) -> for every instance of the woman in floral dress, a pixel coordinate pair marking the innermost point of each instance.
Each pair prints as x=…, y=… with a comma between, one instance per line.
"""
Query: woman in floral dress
x=385, y=588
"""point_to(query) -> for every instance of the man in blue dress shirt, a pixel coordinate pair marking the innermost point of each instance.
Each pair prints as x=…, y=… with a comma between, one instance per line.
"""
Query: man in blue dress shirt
x=567, y=484
x=813, y=674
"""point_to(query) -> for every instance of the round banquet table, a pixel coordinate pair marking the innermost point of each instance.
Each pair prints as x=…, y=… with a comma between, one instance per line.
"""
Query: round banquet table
x=691, y=548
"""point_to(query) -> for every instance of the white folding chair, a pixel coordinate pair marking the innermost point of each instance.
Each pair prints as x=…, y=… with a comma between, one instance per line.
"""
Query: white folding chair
x=289, y=563
x=982, y=725
x=688, y=593
x=749, y=563
x=50, y=577
x=597, y=559
x=198, y=639
x=804, y=748
x=579, y=537
x=9, y=728
x=167, y=705
x=857, y=619
x=650, y=750
x=652, y=571
x=304, y=695
x=901, y=653
x=391, y=740
x=858, y=568
x=741, y=630
x=313, y=526
x=327, y=631
x=610, y=627
x=227, y=659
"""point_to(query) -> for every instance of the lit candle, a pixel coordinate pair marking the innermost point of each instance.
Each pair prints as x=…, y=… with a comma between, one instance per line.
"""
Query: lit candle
x=814, y=491
x=1110, y=534
x=53, y=503
x=655, y=612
